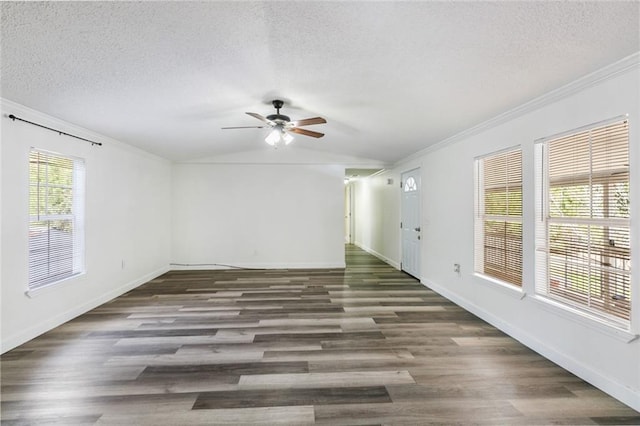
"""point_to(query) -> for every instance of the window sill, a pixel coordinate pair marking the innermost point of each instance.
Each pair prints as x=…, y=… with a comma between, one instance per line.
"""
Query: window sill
x=584, y=318
x=504, y=287
x=35, y=292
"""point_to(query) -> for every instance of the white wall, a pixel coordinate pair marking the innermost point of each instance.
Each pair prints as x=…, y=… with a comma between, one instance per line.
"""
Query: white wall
x=257, y=215
x=599, y=354
x=377, y=215
x=127, y=220
x=264, y=209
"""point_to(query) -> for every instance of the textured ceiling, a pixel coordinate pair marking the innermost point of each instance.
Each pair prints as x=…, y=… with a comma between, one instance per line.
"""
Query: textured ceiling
x=390, y=77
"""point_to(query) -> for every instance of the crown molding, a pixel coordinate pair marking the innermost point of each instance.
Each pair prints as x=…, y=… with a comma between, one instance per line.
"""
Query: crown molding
x=606, y=73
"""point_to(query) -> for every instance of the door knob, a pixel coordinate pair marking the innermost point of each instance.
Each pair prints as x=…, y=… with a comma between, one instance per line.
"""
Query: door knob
x=417, y=229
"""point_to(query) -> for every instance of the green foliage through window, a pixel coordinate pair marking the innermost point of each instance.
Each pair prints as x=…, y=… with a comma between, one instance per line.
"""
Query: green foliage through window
x=588, y=252
x=56, y=188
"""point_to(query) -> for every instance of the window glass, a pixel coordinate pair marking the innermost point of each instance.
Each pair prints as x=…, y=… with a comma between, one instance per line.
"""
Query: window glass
x=56, y=216
x=582, y=237
x=498, y=227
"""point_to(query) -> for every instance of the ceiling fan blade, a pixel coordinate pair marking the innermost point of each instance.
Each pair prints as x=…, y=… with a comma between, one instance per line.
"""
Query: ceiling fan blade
x=310, y=121
x=306, y=132
x=261, y=118
x=244, y=127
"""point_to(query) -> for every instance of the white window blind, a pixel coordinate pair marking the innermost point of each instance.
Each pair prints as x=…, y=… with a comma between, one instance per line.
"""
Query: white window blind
x=498, y=218
x=583, y=216
x=56, y=217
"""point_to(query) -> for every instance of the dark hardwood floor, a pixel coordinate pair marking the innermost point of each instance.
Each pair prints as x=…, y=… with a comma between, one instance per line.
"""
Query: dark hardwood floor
x=365, y=345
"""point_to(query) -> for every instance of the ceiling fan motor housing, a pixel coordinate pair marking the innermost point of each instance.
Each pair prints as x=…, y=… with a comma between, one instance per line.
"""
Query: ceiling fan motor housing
x=278, y=118
x=277, y=104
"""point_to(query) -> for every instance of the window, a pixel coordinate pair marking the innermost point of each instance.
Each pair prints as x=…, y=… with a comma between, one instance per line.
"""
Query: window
x=56, y=216
x=583, y=218
x=498, y=218
x=410, y=185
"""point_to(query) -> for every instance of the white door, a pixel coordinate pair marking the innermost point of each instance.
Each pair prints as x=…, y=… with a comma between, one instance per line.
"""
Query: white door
x=410, y=225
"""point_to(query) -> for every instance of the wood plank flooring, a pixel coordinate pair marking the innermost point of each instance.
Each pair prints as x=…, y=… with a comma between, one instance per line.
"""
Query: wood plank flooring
x=367, y=345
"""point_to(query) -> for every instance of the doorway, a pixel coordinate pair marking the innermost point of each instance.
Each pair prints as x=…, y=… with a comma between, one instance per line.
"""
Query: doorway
x=348, y=214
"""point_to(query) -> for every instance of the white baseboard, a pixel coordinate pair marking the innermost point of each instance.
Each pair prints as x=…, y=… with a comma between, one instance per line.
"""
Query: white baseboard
x=36, y=330
x=616, y=390
x=378, y=255
x=215, y=266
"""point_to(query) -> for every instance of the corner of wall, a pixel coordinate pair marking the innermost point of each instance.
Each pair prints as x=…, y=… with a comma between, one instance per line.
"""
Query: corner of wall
x=378, y=255
x=10, y=342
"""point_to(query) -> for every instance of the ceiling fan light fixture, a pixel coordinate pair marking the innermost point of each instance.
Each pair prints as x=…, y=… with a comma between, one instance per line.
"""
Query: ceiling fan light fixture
x=273, y=137
x=287, y=138
x=278, y=136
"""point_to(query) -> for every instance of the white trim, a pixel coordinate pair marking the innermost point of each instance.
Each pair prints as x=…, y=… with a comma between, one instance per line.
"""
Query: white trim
x=517, y=147
x=380, y=256
x=32, y=293
x=623, y=393
x=36, y=330
x=611, y=71
x=583, y=129
x=503, y=286
x=592, y=321
x=178, y=266
x=346, y=164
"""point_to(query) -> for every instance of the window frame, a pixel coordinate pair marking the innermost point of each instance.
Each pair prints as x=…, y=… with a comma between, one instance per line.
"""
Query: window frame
x=74, y=249
x=481, y=218
x=543, y=186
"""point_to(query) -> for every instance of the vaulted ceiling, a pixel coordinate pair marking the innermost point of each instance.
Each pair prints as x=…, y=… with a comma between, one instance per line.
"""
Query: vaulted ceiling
x=391, y=77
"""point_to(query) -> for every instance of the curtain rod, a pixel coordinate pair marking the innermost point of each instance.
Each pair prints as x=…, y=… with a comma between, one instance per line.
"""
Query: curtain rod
x=60, y=132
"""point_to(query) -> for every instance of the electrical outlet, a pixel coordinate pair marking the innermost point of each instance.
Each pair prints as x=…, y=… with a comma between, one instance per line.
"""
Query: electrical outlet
x=456, y=268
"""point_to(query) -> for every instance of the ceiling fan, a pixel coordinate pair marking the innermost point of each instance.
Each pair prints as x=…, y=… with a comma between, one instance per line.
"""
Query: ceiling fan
x=282, y=126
